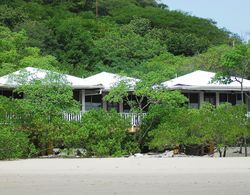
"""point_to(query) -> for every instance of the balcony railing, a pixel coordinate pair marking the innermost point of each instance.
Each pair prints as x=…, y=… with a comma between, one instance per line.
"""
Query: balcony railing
x=136, y=118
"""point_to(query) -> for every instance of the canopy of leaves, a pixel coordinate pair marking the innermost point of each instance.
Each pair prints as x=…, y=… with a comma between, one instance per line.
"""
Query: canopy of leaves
x=222, y=126
x=122, y=37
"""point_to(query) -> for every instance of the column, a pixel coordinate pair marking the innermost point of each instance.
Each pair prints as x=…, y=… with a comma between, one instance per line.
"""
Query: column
x=217, y=99
x=121, y=107
x=247, y=103
x=201, y=100
x=104, y=103
x=83, y=99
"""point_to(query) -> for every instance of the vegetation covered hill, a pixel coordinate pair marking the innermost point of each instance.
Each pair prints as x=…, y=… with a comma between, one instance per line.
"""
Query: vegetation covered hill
x=85, y=36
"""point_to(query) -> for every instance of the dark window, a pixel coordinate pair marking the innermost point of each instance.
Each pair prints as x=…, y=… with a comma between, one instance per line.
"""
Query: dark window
x=223, y=97
x=194, y=98
x=76, y=95
x=93, y=102
x=7, y=93
x=88, y=98
x=232, y=98
x=238, y=98
x=112, y=105
x=126, y=107
x=210, y=98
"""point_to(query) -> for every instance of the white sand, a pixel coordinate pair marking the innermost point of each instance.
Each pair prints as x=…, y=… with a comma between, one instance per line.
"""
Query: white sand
x=126, y=176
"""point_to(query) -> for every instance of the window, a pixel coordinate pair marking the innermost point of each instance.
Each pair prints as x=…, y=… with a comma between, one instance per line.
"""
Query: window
x=232, y=98
x=194, y=100
x=112, y=105
x=93, y=102
x=238, y=98
x=223, y=98
x=76, y=95
x=6, y=93
x=126, y=107
x=210, y=98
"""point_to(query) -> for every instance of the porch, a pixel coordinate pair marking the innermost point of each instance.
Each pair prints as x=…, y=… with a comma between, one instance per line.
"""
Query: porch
x=197, y=98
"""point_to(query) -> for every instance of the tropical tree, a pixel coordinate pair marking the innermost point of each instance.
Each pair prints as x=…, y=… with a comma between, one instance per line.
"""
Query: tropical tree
x=15, y=54
x=148, y=94
x=147, y=91
x=40, y=113
x=235, y=66
x=222, y=127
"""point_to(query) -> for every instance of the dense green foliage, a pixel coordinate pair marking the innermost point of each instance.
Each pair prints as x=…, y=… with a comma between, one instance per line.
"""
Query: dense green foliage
x=103, y=134
x=223, y=126
x=124, y=36
x=15, y=144
x=40, y=113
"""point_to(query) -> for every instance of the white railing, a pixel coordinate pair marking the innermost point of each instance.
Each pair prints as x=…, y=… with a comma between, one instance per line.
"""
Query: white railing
x=136, y=118
x=73, y=116
x=248, y=114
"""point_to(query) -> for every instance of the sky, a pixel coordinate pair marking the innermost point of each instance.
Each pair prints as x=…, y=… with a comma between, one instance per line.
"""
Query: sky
x=234, y=15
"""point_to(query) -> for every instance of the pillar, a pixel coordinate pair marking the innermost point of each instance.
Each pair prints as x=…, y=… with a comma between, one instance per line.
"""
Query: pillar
x=104, y=103
x=83, y=100
x=247, y=103
x=121, y=107
x=201, y=100
x=217, y=99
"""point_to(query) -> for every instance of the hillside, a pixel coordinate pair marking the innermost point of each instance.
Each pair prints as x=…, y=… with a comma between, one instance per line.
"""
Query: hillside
x=129, y=36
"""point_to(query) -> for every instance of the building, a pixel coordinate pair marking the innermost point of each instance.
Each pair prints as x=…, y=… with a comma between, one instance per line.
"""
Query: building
x=9, y=82
x=94, y=98
x=198, y=88
x=88, y=91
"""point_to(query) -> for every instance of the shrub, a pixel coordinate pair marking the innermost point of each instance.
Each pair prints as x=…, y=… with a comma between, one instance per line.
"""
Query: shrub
x=103, y=134
x=15, y=144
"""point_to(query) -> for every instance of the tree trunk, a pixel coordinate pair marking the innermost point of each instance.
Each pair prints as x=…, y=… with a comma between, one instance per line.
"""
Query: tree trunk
x=50, y=148
x=219, y=150
x=211, y=149
x=225, y=151
x=240, y=148
x=245, y=144
x=242, y=93
x=96, y=8
x=241, y=144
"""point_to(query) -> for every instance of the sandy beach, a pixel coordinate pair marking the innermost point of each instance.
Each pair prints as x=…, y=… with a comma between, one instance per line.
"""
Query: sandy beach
x=133, y=176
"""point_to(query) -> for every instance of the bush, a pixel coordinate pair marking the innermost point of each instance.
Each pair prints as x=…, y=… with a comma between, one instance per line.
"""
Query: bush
x=15, y=144
x=220, y=126
x=103, y=134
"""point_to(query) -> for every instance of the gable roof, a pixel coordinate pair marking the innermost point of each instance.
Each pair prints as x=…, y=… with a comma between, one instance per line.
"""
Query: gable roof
x=201, y=80
x=36, y=73
x=109, y=80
